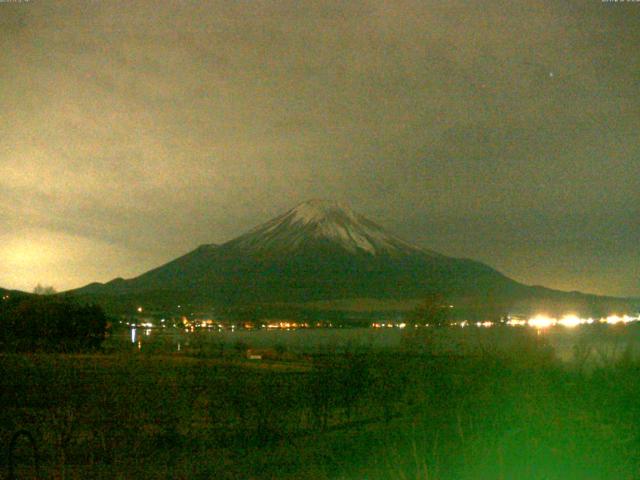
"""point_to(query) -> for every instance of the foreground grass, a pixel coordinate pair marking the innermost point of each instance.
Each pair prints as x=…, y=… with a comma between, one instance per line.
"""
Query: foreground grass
x=377, y=415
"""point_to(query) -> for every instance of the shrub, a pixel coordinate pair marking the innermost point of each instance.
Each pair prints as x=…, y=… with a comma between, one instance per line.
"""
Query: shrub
x=46, y=323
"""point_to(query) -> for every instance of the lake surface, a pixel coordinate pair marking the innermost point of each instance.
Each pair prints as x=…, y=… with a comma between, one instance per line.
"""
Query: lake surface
x=601, y=343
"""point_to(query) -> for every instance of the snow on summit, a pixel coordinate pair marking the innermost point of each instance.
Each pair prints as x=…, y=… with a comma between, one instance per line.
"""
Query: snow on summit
x=321, y=210
x=326, y=221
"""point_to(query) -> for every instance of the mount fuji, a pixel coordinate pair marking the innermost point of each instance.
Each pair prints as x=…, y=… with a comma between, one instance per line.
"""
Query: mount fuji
x=319, y=251
x=322, y=224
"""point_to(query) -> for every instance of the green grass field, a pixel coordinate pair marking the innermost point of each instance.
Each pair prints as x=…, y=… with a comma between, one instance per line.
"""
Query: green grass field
x=403, y=414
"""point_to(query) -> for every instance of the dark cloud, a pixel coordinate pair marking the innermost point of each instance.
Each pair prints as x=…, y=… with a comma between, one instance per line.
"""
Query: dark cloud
x=503, y=131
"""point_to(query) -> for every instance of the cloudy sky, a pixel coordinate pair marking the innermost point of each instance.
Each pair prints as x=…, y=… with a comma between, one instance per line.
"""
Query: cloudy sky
x=504, y=131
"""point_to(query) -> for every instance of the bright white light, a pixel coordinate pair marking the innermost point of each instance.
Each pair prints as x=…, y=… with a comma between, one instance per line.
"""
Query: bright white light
x=541, y=321
x=613, y=319
x=133, y=335
x=570, y=321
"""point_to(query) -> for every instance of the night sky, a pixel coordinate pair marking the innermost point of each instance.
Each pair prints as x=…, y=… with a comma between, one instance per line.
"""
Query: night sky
x=507, y=132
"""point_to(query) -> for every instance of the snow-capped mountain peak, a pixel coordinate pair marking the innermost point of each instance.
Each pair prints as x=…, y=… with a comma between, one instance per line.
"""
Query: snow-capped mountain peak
x=320, y=210
x=323, y=221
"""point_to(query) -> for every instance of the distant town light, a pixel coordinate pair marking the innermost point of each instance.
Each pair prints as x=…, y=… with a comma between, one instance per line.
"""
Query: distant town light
x=571, y=321
x=541, y=321
x=514, y=322
x=139, y=309
x=615, y=319
x=485, y=324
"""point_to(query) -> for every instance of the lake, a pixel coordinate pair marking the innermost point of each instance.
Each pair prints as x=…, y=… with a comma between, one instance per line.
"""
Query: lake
x=597, y=342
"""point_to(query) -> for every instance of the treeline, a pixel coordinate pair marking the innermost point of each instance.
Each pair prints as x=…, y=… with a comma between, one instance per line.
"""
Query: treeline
x=373, y=415
x=106, y=411
x=47, y=323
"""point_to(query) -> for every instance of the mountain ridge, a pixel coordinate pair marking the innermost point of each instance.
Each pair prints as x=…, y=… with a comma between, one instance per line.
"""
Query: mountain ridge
x=321, y=251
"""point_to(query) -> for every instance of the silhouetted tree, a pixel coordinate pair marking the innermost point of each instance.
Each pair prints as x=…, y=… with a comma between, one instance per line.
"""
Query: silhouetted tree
x=44, y=290
x=324, y=391
x=48, y=323
x=433, y=310
x=353, y=381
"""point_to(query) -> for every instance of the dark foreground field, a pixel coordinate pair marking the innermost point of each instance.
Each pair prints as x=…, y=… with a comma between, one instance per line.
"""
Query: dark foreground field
x=403, y=414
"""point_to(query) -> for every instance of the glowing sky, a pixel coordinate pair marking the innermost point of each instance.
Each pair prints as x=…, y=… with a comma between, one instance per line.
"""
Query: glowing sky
x=507, y=132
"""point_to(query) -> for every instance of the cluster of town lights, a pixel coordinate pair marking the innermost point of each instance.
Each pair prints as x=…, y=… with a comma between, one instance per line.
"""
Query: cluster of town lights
x=570, y=321
x=285, y=325
x=539, y=322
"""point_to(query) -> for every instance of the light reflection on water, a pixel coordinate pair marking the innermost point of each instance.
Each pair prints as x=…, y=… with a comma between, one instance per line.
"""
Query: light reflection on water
x=607, y=342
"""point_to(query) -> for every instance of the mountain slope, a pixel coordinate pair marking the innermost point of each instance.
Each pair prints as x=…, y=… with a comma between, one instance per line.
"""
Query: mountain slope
x=317, y=251
x=12, y=295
